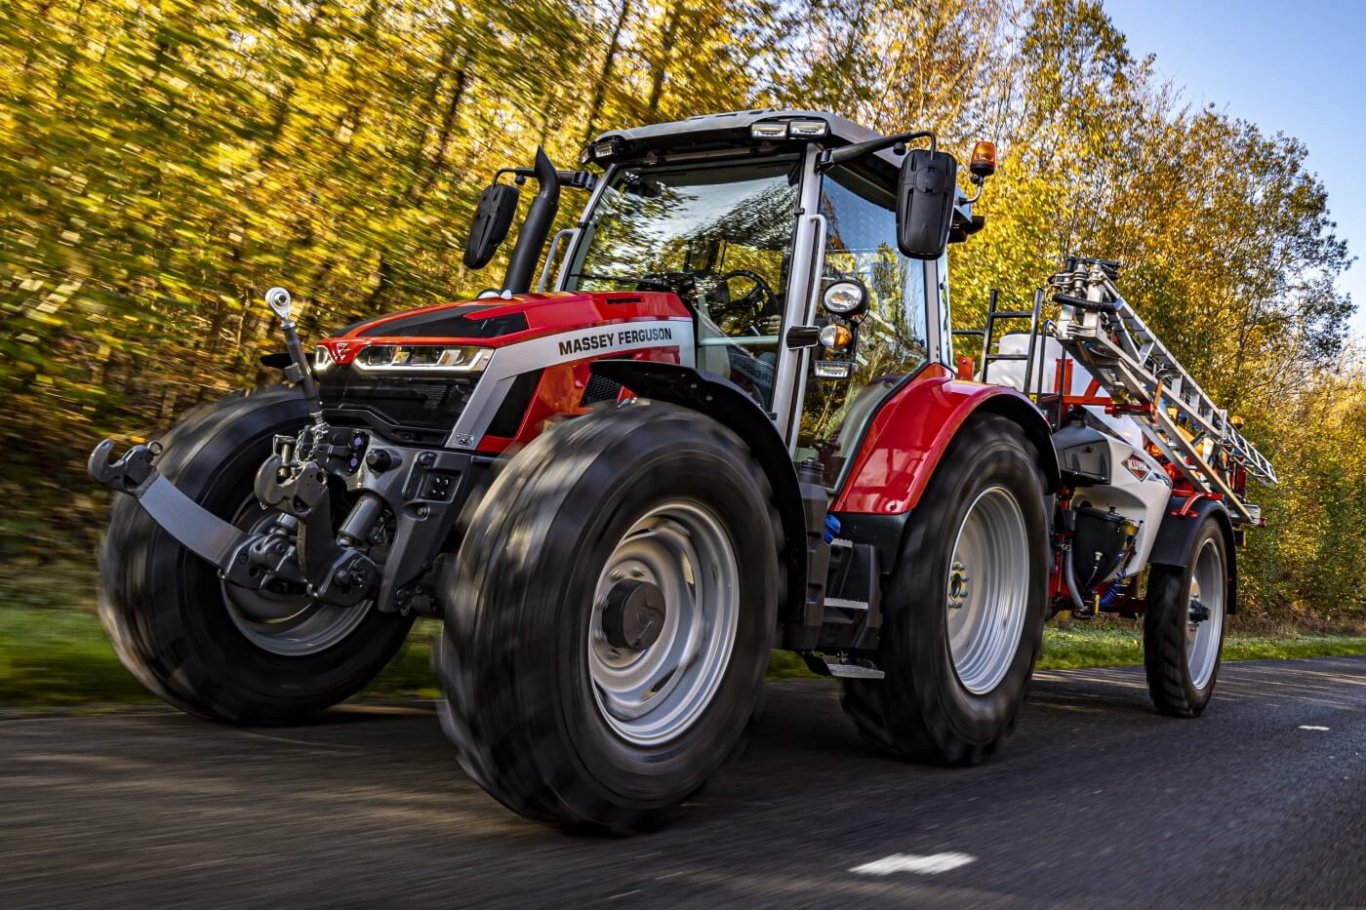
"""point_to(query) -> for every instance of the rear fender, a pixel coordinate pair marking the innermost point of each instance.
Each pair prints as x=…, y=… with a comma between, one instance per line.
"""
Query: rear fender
x=733, y=408
x=910, y=433
x=1175, y=543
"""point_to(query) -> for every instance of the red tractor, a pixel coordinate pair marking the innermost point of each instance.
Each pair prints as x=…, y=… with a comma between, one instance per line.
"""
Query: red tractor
x=770, y=447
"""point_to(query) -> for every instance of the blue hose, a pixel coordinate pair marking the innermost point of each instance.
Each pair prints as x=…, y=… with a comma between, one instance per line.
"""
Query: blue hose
x=1111, y=593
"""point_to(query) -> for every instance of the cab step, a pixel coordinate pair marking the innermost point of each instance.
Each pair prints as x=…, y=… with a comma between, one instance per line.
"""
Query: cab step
x=842, y=668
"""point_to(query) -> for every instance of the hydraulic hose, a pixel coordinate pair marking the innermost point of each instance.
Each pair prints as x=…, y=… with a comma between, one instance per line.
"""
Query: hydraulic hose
x=1075, y=590
x=1072, y=581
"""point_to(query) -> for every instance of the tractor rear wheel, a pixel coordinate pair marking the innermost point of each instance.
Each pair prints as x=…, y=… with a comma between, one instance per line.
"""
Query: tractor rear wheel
x=609, y=617
x=1183, y=625
x=963, y=614
x=214, y=649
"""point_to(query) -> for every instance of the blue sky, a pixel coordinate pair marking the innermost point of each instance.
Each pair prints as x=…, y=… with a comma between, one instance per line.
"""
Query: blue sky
x=1297, y=68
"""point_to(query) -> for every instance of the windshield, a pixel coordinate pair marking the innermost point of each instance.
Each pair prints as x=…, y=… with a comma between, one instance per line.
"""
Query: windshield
x=697, y=220
x=719, y=236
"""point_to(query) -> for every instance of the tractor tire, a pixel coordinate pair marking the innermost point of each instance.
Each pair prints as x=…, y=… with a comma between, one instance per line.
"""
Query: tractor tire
x=1181, y=653
x=178, y=628
x=609, y=617
x=963, y=613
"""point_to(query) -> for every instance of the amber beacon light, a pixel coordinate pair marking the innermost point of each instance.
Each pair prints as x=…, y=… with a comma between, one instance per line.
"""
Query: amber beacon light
x=983, y=160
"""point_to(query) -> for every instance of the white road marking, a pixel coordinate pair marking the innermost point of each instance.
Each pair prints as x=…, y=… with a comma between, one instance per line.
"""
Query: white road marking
x=1312, y=727
x=910, y=862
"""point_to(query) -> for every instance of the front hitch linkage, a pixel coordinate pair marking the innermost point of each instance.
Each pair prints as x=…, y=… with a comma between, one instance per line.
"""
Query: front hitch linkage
x=335, y=573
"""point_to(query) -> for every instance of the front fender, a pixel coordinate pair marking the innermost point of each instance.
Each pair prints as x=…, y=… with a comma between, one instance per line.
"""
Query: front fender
x=910, y=432
x=733, y=408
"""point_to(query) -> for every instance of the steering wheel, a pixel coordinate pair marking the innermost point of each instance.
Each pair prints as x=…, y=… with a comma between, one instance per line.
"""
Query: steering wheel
x=746, y=312
x=759, y=298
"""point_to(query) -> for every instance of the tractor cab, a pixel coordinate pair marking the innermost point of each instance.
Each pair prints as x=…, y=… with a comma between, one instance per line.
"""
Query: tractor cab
x=808, y=250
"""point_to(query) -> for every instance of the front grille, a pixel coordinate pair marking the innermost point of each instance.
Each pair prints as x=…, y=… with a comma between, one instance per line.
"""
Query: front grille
x=402, y=408
x=600, y=388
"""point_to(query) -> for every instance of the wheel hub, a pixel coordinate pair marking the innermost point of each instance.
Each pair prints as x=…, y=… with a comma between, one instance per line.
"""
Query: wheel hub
x=666, y=609
x=633, y=616
x=958, y=585
x=282, y=618
x=1205, y=613
x=987, y=590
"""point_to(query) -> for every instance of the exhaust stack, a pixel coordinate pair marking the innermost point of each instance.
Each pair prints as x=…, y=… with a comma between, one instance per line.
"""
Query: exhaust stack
x=531, y=239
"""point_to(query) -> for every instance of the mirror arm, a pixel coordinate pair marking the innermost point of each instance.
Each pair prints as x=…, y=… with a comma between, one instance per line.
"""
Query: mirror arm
x=579, y=180
x=831, y=157
x=980, y=183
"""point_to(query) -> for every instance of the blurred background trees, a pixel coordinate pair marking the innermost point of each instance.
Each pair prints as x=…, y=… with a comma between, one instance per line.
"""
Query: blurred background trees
x=163, y=162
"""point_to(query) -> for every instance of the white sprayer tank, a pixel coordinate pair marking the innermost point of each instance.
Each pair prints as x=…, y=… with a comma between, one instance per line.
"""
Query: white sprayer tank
x=1139, y=488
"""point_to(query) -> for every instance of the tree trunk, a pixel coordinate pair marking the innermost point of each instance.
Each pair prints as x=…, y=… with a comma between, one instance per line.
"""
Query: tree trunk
x=600, y=89
x=668, y=38
x=443, y=142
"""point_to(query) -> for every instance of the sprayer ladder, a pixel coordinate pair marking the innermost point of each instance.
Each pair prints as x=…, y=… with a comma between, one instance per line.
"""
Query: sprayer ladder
x=1099, y=329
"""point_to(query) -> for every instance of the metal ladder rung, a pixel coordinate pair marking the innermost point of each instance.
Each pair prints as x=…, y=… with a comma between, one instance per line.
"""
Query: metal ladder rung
x=988, y=358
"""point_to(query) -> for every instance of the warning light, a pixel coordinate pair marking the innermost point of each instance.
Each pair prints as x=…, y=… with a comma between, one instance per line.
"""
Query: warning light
x=983, y=161
x=836, y=337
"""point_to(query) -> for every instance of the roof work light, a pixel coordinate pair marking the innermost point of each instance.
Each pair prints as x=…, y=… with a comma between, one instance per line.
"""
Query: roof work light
x=789, y=129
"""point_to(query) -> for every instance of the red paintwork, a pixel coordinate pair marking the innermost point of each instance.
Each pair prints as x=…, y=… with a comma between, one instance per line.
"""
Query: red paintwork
x=562, y=385
x=546, y=314
x=558, y=396
x=907, y=438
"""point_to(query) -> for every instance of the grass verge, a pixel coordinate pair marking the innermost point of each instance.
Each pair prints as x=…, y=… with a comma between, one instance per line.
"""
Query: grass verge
x=57, y=657
x=1110, y=644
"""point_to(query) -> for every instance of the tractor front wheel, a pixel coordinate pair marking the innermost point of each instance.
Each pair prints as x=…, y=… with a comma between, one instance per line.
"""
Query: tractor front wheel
x=609, y=617
x=271, y=656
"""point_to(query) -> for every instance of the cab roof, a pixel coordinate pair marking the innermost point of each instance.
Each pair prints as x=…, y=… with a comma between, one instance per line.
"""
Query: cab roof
x=729, y=130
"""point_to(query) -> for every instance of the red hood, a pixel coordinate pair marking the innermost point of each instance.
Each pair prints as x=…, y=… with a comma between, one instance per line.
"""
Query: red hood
x=495, y=321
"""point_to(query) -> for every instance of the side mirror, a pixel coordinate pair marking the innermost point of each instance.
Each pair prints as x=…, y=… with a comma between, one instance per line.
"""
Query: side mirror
x=924, y=203
x=492, y=218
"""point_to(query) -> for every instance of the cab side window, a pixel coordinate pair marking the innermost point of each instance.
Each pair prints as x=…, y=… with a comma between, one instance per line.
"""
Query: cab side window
x=888, y=340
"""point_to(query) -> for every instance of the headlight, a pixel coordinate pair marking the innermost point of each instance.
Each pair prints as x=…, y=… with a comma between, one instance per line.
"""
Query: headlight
x=845, y=298
x=435, y=358
x=789, y=129
x=322, y=360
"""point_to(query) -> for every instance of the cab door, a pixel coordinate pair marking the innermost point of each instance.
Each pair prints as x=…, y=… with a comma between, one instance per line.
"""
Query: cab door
x=875, y=349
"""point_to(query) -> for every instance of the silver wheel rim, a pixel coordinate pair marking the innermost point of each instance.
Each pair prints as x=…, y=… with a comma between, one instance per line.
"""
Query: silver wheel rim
x=1203, y=636
x=651, y=695
x=988, y=590
x=281, y=620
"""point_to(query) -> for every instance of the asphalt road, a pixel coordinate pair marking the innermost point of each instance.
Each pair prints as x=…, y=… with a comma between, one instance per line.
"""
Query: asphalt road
x=1096, y=802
